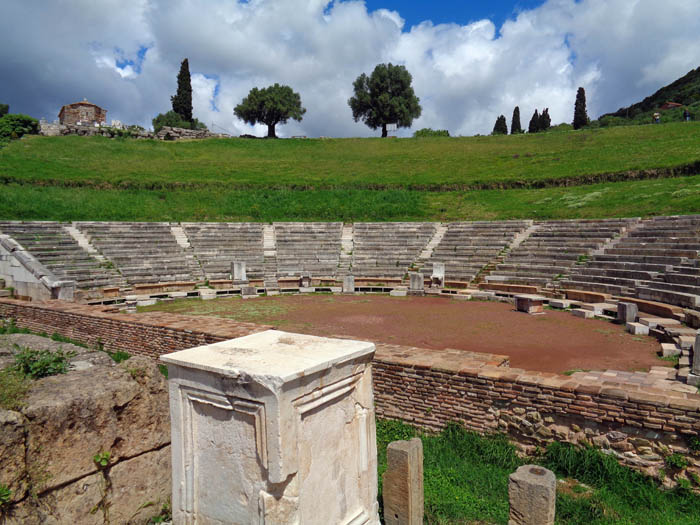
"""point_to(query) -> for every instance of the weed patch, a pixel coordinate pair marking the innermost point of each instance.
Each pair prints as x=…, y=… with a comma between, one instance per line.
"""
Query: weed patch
x=14, y=387
x=36, y=364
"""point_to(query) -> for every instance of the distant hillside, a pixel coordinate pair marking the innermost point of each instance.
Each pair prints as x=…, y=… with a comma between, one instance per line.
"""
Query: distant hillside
x=685, y=90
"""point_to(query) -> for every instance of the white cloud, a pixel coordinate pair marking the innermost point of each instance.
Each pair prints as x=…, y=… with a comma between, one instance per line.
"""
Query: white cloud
x=619, y=50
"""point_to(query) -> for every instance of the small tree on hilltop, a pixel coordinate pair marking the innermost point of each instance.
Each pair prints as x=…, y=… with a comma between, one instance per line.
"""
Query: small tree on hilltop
x=534, y=125
x=515, y=126
x=182, y=100
x=545, y=122
x=500, y=127
x=580, y=114
x=385, y=97
x=4, y=109
x=271, y=106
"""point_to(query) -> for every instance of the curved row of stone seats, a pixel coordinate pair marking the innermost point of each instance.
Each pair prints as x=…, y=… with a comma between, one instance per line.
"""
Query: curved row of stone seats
x=467, y=247
x=217, y=244
x=554, y=248
x=388, y=249
x=59, y=252
x=656, y=260
x=312, y=247
x=143, y=252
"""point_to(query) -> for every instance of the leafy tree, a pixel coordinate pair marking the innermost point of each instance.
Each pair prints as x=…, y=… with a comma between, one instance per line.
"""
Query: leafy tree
x=4, y=109
x=580, y=115
x=385, y=97
x=515, y=126
x=175, y=120
x=182, y=100
x=271, y=106
x=500, y=127
x=534, y=125
x=545, y=121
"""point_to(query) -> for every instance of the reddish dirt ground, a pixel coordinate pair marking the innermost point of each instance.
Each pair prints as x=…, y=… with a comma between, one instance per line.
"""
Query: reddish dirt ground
x=554, y=342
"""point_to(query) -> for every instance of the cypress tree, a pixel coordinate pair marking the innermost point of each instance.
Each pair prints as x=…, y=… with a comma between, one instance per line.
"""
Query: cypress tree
x=580, y=114
x=182, y=100
x=500, y=127
x=534, y=126
x=545, y=122
x=515, y=126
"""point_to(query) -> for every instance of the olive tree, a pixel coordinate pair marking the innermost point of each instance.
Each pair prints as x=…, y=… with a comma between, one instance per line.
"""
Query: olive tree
x=270, y=106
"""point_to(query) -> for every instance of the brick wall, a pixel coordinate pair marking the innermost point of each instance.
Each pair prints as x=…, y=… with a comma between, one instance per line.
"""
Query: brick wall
x=146, y=334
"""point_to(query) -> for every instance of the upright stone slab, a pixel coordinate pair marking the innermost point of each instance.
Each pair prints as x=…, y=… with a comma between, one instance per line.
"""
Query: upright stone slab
x=417, y=283
x=273, y=428
x=402, y=483
x=627, y=313
x=532, y=494
x=305, y=280
x=694, y=375
x=349, y=284
x=238, y=272
x=437, y=279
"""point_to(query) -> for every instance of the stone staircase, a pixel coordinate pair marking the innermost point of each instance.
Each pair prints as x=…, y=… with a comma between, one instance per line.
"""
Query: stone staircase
x=270, y=257
x=346, y=247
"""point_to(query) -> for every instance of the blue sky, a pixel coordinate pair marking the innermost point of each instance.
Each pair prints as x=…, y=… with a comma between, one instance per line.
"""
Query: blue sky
x=467, y=68
x=454, y=11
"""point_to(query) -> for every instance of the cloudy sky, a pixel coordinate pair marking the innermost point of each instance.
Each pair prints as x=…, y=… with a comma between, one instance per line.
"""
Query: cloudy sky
x=469, y=64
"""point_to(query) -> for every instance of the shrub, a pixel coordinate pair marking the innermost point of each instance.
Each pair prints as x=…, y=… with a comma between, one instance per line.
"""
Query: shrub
x=15, y=125
x=4, y=109
x=36, y=364
x=119, y=356
x=676, y=461
x=174, y=120
x=429, y=132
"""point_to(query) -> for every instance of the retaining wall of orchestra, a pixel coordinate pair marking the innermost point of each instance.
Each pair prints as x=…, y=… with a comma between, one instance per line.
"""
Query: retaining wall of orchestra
x=639, y=425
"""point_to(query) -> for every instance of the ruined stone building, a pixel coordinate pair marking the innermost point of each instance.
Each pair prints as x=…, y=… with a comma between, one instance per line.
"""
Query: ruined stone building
x=85, y=113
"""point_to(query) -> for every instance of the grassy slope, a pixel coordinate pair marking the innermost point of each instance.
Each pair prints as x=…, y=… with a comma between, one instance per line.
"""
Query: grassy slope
x=350, y=163
x=79, y=178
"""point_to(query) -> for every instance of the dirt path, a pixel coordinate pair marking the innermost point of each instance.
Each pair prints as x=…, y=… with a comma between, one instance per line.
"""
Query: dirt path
x=554, y=342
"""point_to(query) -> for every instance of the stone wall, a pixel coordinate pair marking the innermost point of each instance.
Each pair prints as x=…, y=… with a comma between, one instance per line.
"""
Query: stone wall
x=430, y=388
x=47, y=448
x=150, y=335
x=166, y=133
x=639, y=426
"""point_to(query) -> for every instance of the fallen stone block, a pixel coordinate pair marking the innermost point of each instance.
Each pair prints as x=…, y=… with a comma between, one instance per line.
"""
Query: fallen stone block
x=637, y=329
x=669, y=350
x=398, y=292
x=560, y=303
x=580, y=312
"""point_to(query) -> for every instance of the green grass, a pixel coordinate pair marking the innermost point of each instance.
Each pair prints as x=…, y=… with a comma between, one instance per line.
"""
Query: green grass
x=613, y=172
x=679, y=195
x=466, y=482
x=436, y=163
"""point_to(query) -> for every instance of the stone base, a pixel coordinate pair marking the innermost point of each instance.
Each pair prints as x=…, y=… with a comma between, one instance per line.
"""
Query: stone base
x=693, y=379
x=461, y=297
x=559, y=303
x=637, y=329
x=580, y=312
x=669, y=350
x=307, y=289
x=416, y=292
x=398, y=293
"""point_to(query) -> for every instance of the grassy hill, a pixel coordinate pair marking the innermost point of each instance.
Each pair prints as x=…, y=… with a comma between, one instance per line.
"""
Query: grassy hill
x=621, y=171
x=685, y=90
